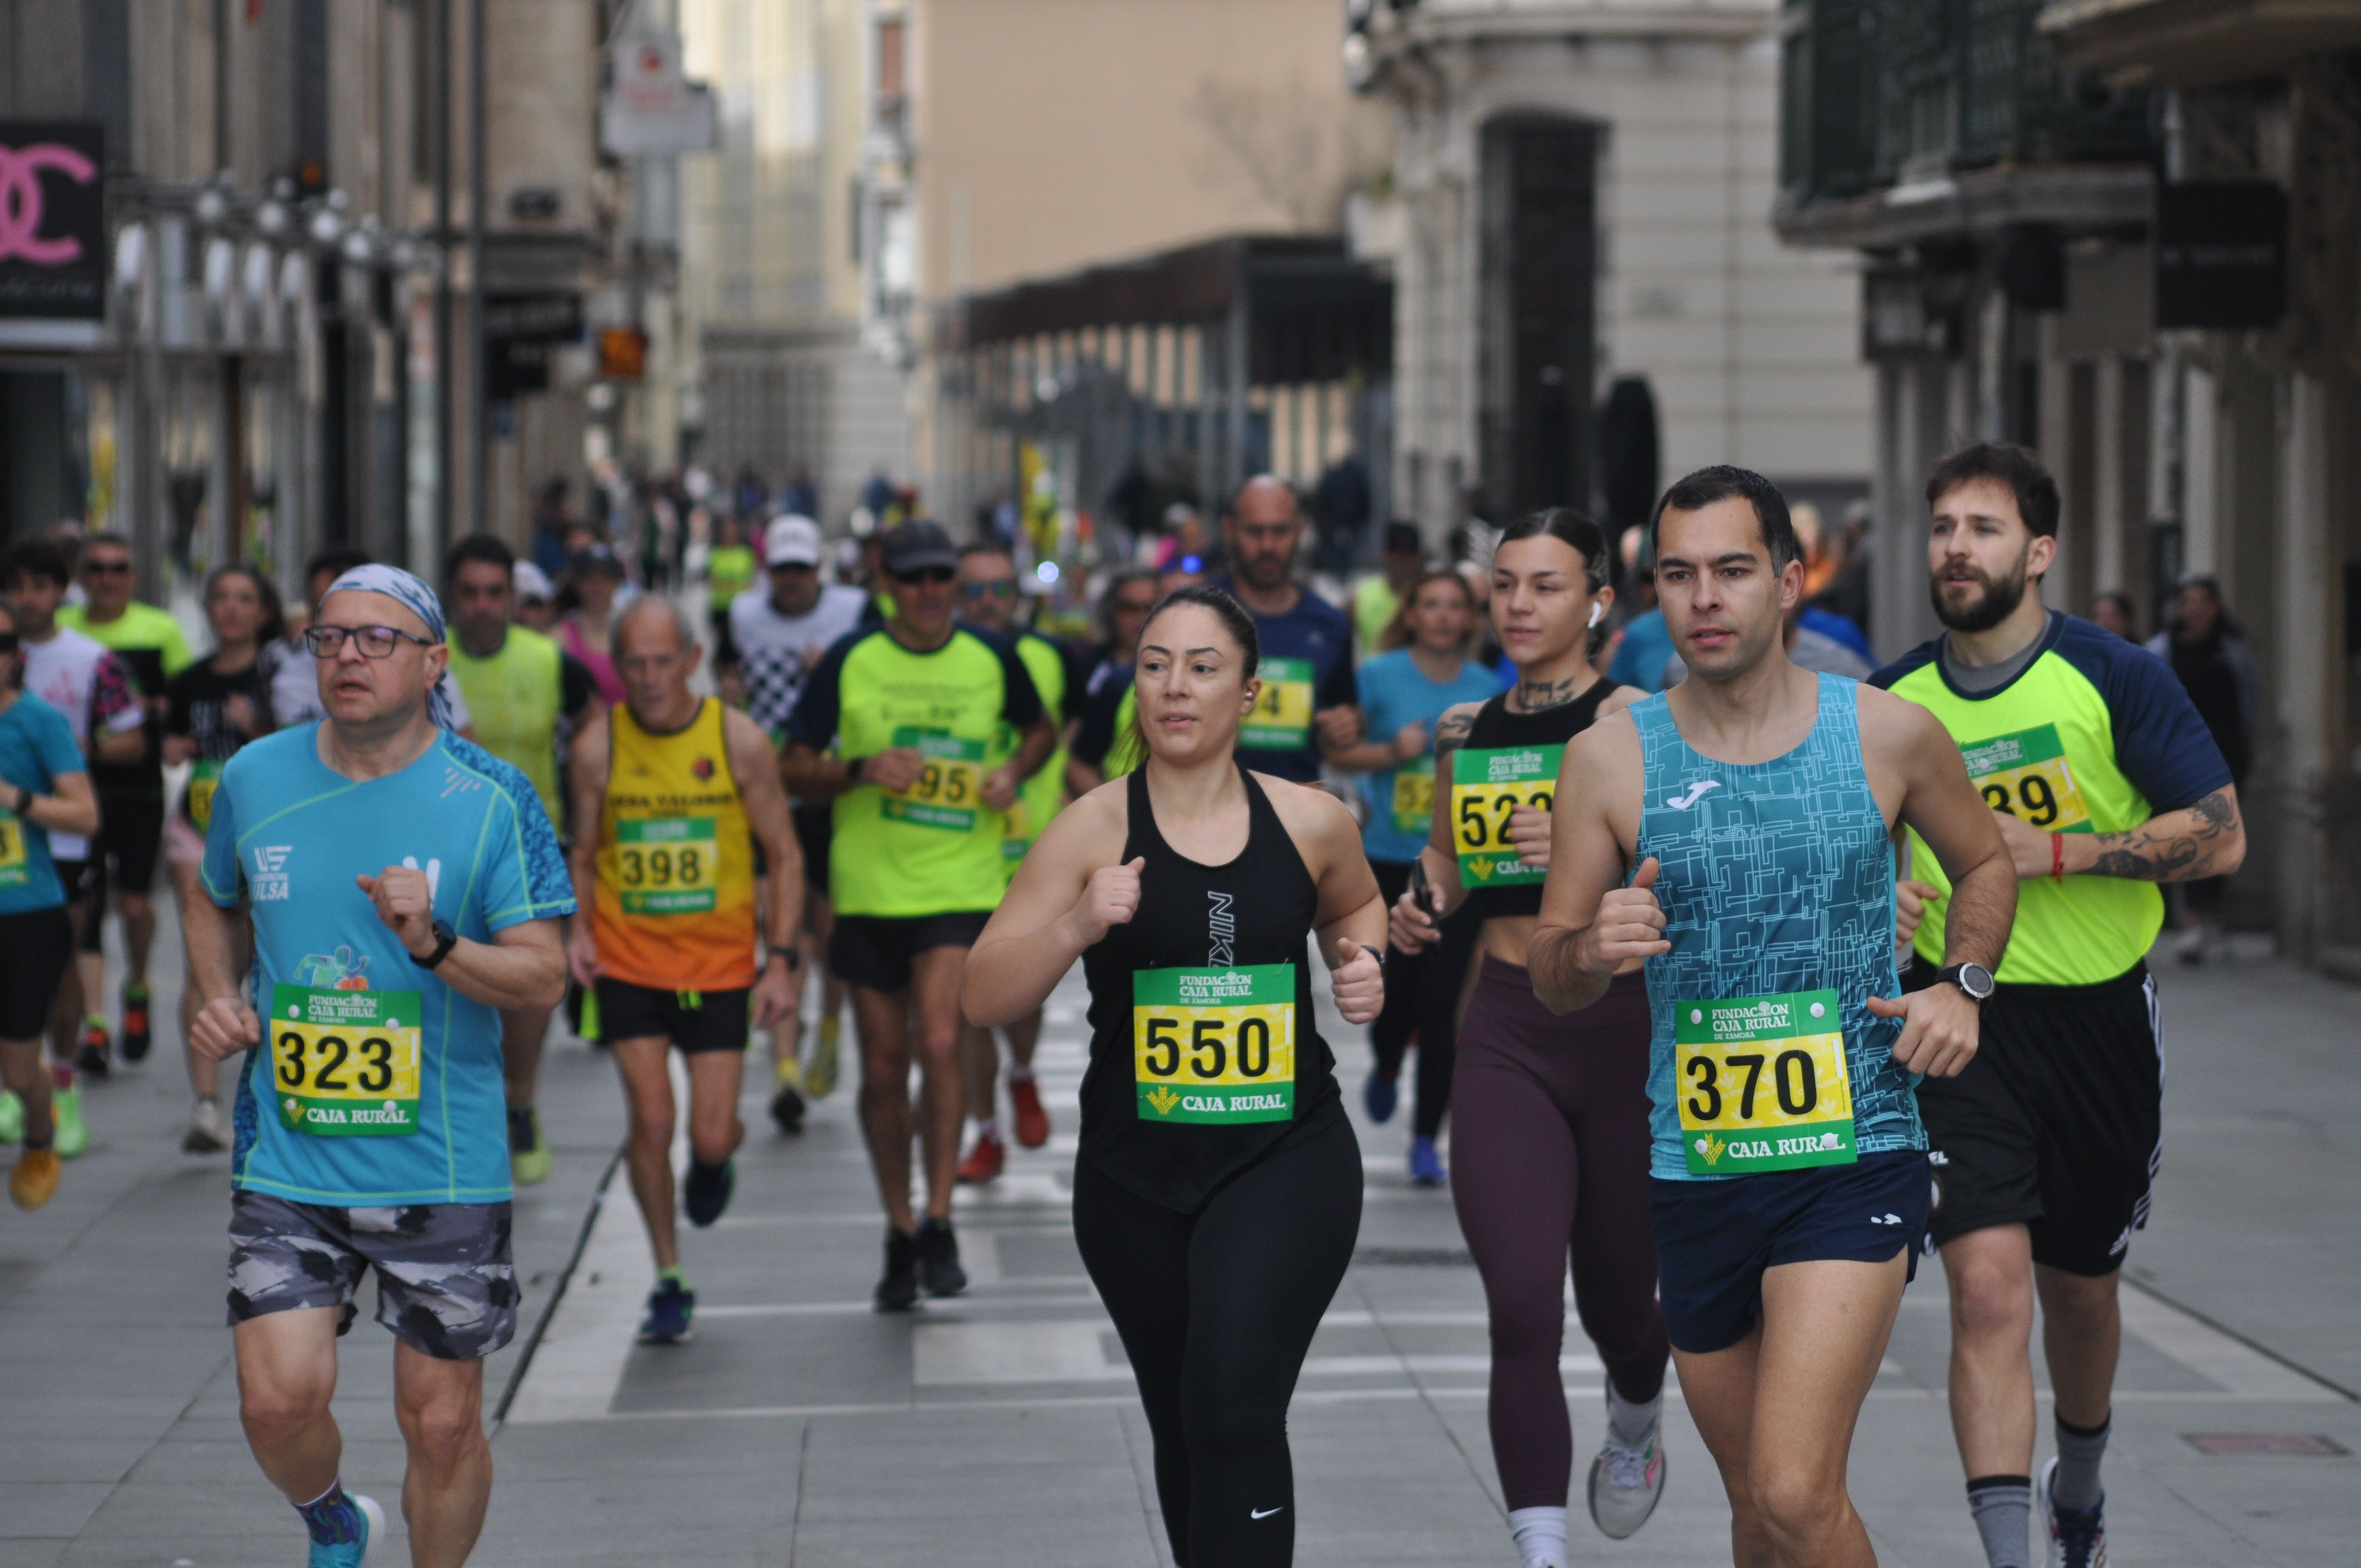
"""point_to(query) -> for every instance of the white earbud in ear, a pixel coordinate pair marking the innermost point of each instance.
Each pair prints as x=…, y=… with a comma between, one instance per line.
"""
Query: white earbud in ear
x=1596, y=611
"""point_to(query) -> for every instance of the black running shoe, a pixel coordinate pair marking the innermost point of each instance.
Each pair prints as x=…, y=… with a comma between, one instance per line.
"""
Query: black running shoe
x=898, y=1290
x=707, y=1191
x=938, y=1258
x=787, y=1109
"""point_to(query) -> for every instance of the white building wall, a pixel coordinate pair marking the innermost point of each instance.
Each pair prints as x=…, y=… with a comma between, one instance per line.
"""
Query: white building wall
x=1751, y=348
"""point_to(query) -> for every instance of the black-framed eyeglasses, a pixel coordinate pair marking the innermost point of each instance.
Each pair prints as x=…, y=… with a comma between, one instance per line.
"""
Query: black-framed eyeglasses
x=1006, y=588
x=105, y=568
x=376, y=641
x=7, y=642
x=931, y=575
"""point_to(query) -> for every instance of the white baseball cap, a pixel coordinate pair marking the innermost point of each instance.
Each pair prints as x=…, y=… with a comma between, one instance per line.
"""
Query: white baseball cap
x=533, y=583
x=791, y=541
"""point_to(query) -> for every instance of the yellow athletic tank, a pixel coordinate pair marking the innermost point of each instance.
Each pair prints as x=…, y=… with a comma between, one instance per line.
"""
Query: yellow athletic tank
x=674, y=905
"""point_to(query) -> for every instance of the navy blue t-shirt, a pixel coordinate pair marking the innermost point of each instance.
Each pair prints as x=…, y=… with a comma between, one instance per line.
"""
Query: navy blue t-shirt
x=1307, y=665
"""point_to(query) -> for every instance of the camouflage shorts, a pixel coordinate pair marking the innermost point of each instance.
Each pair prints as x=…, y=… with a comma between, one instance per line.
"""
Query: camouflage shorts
x=446, y=1281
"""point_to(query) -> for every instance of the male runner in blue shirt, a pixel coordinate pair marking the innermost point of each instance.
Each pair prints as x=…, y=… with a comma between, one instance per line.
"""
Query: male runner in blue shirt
x=404, y=885
x=1309, y=705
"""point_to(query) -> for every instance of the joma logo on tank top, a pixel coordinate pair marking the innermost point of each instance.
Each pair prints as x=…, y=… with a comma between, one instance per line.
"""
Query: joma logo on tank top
x=1221, y=932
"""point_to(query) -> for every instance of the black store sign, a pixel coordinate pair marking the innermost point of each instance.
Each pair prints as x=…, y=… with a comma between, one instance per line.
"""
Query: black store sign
x=53, y=219
x=520, y=333
x=2221, y=254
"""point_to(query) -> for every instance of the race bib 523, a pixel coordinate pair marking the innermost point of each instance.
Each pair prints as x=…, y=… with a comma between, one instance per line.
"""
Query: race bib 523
x=1487, y=787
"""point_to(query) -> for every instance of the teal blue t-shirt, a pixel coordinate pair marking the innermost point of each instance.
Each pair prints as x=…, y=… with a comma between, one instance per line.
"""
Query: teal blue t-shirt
x=377, y=1083
x=1395, y=692
x=36, y=745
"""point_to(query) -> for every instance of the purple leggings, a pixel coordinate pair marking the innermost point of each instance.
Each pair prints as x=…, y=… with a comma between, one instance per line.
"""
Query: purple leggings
x=1549, y=1153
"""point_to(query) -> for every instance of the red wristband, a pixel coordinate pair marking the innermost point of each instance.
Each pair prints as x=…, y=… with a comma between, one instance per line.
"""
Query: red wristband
x=2057, y=857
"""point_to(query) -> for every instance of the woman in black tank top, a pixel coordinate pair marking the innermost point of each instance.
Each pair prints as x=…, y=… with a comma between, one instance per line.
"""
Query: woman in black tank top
x=1550, y=1115
x=1218, y=1190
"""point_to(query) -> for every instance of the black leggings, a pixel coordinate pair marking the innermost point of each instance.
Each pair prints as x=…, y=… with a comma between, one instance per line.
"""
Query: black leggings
x=1423, y=996
x=1216, y=1311
x=1550, y=1156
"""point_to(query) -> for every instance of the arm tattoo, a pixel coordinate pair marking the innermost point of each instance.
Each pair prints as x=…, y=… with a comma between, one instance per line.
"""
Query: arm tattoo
x=1452, y=730
x=2173, y=854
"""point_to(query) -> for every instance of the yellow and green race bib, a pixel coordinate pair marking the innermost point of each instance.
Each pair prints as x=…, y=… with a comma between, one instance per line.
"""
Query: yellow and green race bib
x=345, y=1063
x=1214, y=1046
x=1281, y=718
x=668, y=865
x=204, y=778
x=1486, y=786
x=1414, y=796
x=13, y=872
x=2027, y=774
x=1763, y=1084
x=950, y=787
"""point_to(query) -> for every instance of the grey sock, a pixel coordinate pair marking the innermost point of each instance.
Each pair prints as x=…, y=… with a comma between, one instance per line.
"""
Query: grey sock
x=1629, y=1423
x=2003, y=1507
x=2080, y=1449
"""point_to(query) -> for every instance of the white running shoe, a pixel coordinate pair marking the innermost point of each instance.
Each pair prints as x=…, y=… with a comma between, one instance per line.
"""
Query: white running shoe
x=1626, y=1483
x=206, y=1133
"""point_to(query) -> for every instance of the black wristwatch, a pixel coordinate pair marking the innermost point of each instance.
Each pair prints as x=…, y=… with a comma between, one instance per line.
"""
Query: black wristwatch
x=795, y=956
x=445, y=940
x=853, y=766
x=1974, y=980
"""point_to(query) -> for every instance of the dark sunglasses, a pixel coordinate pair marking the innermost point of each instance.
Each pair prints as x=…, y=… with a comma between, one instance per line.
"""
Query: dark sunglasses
x=105, y=568
x=932, y=575
x=1134, y=606
x=7, y=642
x=1003, y=589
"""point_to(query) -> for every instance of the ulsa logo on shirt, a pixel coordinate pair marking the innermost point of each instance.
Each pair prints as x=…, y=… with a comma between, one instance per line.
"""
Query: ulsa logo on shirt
x=269, y=879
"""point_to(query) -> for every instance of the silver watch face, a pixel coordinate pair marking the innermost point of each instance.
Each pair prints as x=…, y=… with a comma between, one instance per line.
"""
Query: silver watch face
x=1976, y=981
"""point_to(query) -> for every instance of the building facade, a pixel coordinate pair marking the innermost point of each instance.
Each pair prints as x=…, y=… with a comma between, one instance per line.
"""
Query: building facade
x=284, y=265
x=2064, y=218
x=1582, y=188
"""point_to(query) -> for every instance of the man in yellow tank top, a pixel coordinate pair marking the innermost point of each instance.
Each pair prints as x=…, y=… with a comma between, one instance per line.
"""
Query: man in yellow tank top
x=671, y=792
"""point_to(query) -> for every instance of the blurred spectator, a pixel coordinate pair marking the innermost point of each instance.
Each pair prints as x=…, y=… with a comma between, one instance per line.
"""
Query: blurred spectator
x=1847, y=593
x=536, y=599
x=1131, y=505
x=1644, y=645
x=2113, y=610
x=1340, y=506
x=2215, y=665
x=1377, y=598
x=587, y=603
x=801, y=498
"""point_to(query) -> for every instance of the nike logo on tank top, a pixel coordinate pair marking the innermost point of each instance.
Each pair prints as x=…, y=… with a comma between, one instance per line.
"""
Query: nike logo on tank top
x=1777, y=881
x=1204, y=1056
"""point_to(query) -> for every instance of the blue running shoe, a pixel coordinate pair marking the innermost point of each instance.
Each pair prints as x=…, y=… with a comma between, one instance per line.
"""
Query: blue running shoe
x=1379, y=1096
x=364, y=1528
x=707, y=1191
x=669, y=1307
x=2076, y=1540
x=1425, y=1165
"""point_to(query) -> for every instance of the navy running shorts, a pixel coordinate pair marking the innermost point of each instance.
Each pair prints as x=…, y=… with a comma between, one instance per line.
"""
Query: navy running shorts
x=1714, y=1239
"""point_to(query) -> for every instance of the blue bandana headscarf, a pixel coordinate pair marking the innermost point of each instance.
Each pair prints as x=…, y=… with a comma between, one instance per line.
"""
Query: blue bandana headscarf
x=415, y=596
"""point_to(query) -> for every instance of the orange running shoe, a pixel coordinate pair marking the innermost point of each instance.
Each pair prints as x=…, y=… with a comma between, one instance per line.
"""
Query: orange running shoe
x=35, y=1181
x=1032, y=1121
x=983, y=1161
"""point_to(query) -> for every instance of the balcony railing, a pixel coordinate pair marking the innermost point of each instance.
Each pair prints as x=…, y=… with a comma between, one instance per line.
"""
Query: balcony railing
x=1876, y=92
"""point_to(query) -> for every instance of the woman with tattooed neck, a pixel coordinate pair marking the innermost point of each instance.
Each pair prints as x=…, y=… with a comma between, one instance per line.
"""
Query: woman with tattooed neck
x=1550, y=1115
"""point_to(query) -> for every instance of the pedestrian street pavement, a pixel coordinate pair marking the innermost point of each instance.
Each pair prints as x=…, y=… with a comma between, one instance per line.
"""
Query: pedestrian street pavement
x=802, y=1428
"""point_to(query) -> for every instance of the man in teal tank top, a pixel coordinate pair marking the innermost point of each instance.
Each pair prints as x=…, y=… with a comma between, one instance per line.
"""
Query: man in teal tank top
x=2103, y=782
x=1751, y=811
x=520, y=687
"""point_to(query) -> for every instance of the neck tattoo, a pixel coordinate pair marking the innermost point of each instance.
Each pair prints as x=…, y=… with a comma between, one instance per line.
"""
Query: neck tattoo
x=1531, y=696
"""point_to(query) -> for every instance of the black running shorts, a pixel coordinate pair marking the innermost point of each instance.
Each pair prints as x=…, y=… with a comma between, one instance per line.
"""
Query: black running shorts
x=35, y=947
x=693, y=1021
x=2057, y=1124
x=815, y=826
x=875, y=950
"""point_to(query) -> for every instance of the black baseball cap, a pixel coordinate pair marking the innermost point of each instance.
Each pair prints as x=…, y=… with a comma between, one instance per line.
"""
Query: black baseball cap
x=1404, y=539
x=920, y=545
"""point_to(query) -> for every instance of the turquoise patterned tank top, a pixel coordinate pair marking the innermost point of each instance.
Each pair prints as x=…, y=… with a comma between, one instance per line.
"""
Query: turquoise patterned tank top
x=1777, y=881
